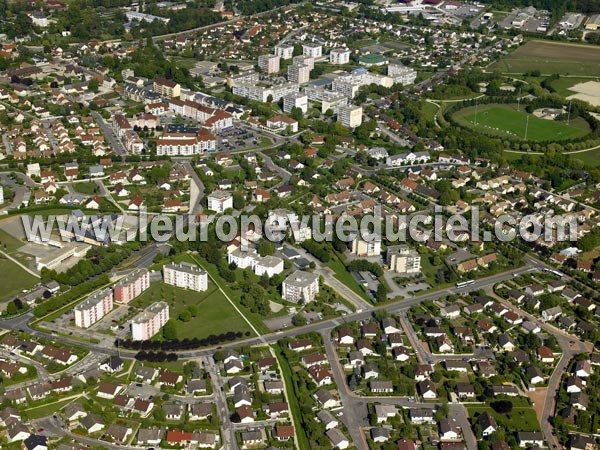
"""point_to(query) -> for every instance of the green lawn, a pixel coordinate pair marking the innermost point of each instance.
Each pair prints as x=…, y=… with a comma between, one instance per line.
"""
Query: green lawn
x=9, y=243
x=346, y=277
x=14, y=279
x=87, y=188
x=430, y=110
x=47, y=410
x=216, y=313
x=520, y=419
x=563, y=84
x=505, y=120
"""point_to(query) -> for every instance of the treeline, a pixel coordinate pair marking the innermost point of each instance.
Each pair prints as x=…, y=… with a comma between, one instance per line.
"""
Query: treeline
x=183, y=344
x=318, y=249
x=156, y=356
x=98, y=260
x=363, y=265
x=248, y=7
x=54, y=304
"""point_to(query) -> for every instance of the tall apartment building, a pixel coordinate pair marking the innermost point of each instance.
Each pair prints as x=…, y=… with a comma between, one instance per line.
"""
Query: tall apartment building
x=339, y=56
x=166, y=88
x=93, y=308
x=299, y=73
x=269, y=63
x=300, y=286
x=403, y=259
x=401, y=74
x=312, y=50
x=149, y=322
x=296, y=100
x=350, y=116
x=186, y=275
x=132, y=285
x=284, y=51
x=370, y=246
x=350, y=83
x=304, y=60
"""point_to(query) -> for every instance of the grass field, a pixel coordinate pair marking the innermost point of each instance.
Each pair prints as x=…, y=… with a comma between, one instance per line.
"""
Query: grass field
x=216, y=313
x=14, y=279
x=520, y=419
x=550, y=58
x=87, y=188
x=505, y=120
x=9, y=243
x=563, y=84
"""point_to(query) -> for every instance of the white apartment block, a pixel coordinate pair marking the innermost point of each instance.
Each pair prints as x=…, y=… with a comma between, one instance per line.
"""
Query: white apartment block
x=403, y=259
x=296, y=100
x=401, y=74
x=184, y=144
x=304, y=60
x=328, y=99
x=300, y=286
x=262, y=93
x=349, y=84
x=284, y=51
x=261, y=265
x=220, y=201
x=269, y=63
x=312, y=50
x=149, y=322
x=186, y=275
x=339, y=56
x=350, y=116
x=369, y=246
x=94, y=308
x=2, y=191
x=299, y=73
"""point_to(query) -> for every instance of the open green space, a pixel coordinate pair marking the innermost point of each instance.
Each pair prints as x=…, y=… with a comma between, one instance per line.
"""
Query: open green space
x=14, y=279
x=563, y=84
x=87, y=188
x=48, y=409
x=519, y=419
x=8, y=243
x=216, y=315
x=551, y=57
x=505, y=121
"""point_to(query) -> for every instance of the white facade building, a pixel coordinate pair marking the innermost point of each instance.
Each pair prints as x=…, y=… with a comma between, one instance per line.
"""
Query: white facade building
x=339, y=56
x=370, y=246
x=299, y=73
x=296, y=100
x=269, y=63
x=93, y=308
x=300, y=286
x=186, y=275
x=149, y=322
x=312, y=50
x=219, y=201
x=350, y=116
x=284, y=51
x=401, y=74
x=402, y=259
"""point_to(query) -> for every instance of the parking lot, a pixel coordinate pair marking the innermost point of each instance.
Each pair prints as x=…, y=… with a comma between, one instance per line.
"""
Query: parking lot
x=236, y=138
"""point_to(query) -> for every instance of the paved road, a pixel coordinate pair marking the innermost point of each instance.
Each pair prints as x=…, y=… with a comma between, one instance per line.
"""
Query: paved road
x=109, y=134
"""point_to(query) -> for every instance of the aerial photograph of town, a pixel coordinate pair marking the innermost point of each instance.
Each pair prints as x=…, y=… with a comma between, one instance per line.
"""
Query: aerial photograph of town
x=300, y=224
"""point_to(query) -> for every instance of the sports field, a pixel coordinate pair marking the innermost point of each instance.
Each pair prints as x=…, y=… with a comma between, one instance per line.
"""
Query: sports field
x=505, y=120
x=550, y=58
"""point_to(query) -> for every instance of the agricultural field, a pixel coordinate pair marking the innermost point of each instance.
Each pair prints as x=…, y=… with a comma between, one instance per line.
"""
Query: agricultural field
x=550, y=58
x=505, y=120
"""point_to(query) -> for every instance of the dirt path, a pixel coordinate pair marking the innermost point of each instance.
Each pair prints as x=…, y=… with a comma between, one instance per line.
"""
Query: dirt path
x=538, y=397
